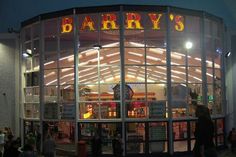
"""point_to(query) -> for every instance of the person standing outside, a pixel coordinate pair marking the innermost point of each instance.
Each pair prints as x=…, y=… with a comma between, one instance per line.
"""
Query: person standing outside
x=2, y=141
x=232, y=139
x=117, y=146
x=204, y=133
x=49, y=147
x=96, y=146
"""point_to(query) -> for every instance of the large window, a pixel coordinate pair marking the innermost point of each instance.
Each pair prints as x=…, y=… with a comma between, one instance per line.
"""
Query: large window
x=100, y=73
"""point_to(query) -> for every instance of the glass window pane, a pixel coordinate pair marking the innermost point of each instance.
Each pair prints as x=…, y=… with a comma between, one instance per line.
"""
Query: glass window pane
x=50, y=77
x=36, y=48
x=88, y=93
x=158, y=147
x=192, y=129
x=110, y=56
x=180, y=146
x=155, y=38
x=178, y=74
x=67, y=93
x=109, y=74
x=109, y=131
x=51, y=110
x=155, y=56
x=66, y=76
x=218, y=99
x=67, y=111
x=194, y=75
x=194, y=98
x=157, y=109
x=157, y=131
x=136, y=109
x=156, y=74
x=31, y=110
x=63, y=133
x=27, y=33
x=50, y=27
x=135, y=133
x=89, y=110
x=134, y=56
x=156, y=92
x=110, y=38
x=134, y=74
x=88, y=75
x=50, y=94
x=110, y=110
x=134, y=38
x=180, y=130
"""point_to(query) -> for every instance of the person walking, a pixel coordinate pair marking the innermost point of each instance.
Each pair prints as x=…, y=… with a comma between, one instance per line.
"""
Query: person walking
x=28, y=151
x=96, y=146
x=2, y=141
x=204, y=133
x=49, y=147
x=117, y=146
x=232, y=139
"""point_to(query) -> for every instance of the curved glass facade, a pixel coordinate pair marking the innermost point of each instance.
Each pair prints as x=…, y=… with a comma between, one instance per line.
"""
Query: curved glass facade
x=135, y=70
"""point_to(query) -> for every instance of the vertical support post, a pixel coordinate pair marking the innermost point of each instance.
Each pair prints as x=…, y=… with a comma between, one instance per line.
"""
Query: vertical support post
x=203, y=63
x=76, y=90
x=41, y=80
x=122, y=69
x=169, y=92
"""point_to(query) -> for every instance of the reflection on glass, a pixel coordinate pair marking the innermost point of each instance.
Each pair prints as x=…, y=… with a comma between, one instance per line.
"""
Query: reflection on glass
x=179, y=100
x=136, y=109
x=194, y=98
x=135, y=133
x=192, y=129
x=88, y=93
x=31, y=110
x=66, y=76
x=67, y=93
x=89, y=110
x=180, y=146
x=180, y=130
x=50, y=93
x=156, y=92
x=156, y=74
x=178, y=74
x=88, y=75
x=218, y=99
x=63, y=132
x=158, y=147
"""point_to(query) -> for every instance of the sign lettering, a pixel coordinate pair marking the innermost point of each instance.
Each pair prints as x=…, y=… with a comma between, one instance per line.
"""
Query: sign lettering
x=109, y=21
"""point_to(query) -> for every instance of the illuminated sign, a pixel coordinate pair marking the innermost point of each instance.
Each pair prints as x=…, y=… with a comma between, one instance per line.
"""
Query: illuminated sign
x=133, y=21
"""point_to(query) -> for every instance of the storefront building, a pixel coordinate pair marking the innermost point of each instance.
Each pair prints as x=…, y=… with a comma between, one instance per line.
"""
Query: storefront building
x=138, y=71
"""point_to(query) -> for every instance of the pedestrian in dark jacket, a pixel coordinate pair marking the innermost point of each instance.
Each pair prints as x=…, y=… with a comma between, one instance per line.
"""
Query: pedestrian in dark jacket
x=28, y=151
x=117, y=146
x=232, y=139
x=49, y=147
x=204, y=133
x=96, y=146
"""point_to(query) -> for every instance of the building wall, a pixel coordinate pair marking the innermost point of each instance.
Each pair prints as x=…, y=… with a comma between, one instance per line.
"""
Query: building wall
x=13, y=12
x=8, y=81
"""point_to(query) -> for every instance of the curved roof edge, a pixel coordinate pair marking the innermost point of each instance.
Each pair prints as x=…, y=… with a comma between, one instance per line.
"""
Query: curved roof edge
x=109, y=8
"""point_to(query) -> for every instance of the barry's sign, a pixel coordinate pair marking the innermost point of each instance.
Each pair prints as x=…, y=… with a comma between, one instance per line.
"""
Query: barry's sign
x=109, y=21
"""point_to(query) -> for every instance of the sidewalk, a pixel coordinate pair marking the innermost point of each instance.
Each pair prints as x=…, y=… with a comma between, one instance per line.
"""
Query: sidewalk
x=227, y=153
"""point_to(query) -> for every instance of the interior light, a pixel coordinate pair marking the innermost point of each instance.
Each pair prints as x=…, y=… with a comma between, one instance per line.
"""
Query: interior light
x=188, y=45
x=136, y=54
x=113, y=54
x=111, y=45
x=137, y=44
